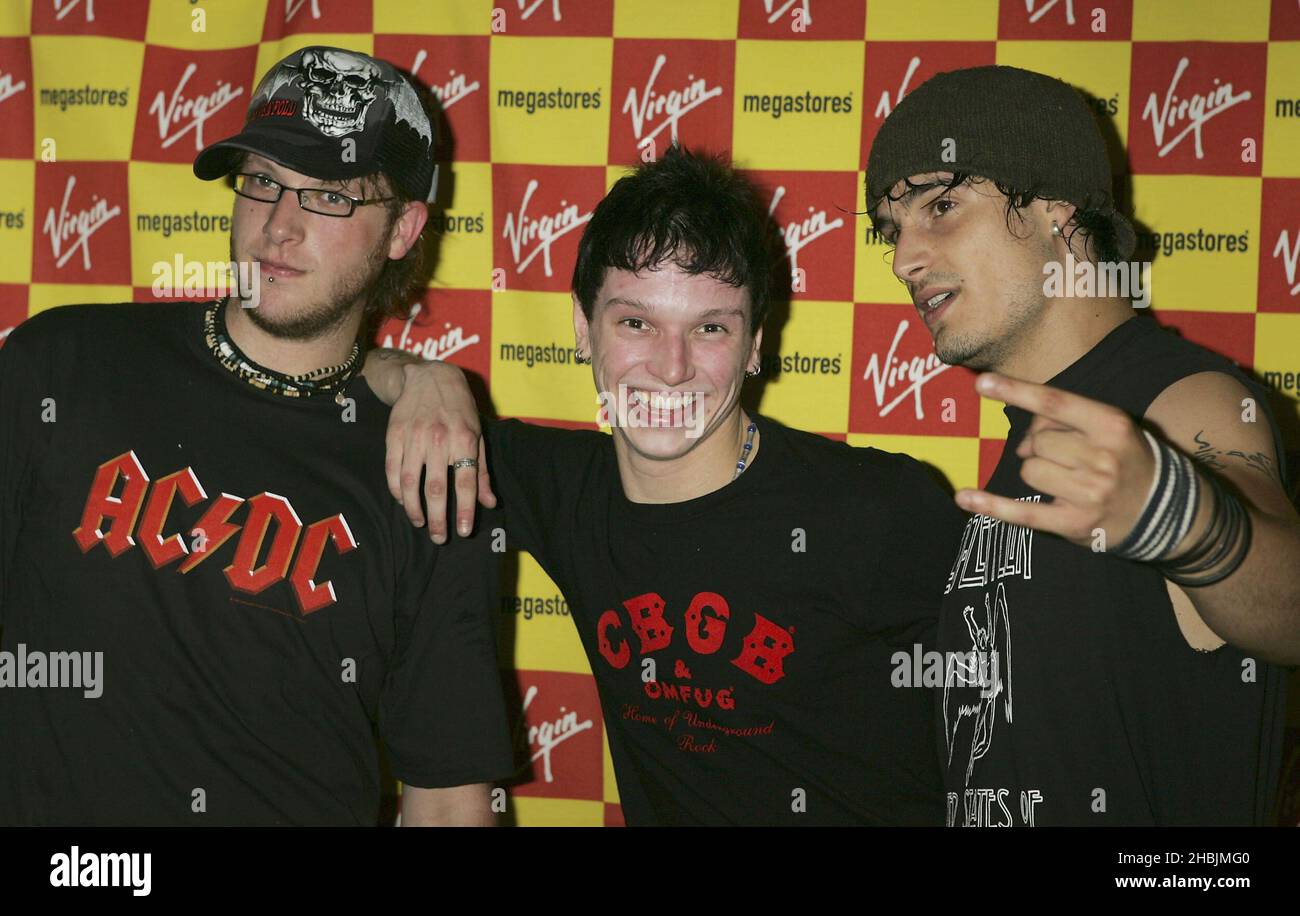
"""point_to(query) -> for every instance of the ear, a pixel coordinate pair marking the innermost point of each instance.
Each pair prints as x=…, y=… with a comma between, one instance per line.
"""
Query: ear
x=581, y=328
x=1059, y=212
x=754, y=360
x=407, y=229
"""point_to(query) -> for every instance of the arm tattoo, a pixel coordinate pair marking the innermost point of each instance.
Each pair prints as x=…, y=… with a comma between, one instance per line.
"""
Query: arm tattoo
x=1213, y=457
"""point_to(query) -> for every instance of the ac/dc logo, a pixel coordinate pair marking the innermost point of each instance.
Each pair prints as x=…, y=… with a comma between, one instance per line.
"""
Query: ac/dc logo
x=760, y=655
x=120, y=514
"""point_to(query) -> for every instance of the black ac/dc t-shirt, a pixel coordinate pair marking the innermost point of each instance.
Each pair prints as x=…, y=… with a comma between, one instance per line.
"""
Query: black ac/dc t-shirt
x=743, y=642
x=259, y=599
x=1091, y=708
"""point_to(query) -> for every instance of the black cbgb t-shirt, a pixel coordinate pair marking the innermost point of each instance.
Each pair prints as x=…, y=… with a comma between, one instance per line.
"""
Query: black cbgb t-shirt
x=744, y=642
x=1075, y=698
x=258, y=602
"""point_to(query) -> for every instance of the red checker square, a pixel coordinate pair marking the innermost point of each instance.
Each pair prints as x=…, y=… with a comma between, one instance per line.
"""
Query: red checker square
x=668, y=90
x=448, y=324
x=127, y=19
x=16, y=140
x=558, y=737
x=990, y=455
x=1191, y=104
x=1230, y=334
x=795, y=19
x=895, y=68
x=898, y=385
x=814, y=211
x=455, y=68
x=539, y=212
x=1063, y=20
x=82, y=233
x=1279, y=249
x=1284, y=21
x=298, y=17
x=13, y=308
x=555, y=17
x=189, y=99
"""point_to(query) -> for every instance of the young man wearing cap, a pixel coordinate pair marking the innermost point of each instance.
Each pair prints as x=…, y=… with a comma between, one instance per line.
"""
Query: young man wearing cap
x=1137, y=520
x=743, y=590
x=194, y=510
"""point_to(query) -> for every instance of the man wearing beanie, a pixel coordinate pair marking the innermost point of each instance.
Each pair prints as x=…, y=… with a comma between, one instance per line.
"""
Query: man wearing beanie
x=209, y=602
x=1128, y=582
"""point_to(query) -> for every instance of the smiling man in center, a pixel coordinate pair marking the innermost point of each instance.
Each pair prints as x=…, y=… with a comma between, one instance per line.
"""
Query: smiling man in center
x=740, y=588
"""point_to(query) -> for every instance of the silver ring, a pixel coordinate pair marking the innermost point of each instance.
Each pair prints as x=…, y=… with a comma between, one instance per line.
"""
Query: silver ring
x=465, y=463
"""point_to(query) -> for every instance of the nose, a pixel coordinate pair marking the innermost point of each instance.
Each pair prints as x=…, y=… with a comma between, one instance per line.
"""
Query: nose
x=284, y=221
x=671, y=361
x=912, y=255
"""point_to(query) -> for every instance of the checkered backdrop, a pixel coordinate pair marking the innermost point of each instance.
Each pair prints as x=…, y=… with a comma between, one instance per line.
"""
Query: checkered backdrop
x=105, y=103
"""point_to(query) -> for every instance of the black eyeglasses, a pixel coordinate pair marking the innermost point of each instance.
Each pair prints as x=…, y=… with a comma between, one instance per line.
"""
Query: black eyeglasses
x=313, y=200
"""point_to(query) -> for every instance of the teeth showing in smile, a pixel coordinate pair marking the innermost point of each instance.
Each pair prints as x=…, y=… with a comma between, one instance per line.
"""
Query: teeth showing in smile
x=935, y=300
x=658, y=401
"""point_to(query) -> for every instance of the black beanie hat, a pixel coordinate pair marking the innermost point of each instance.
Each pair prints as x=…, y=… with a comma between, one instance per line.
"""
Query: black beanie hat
x=1023, y=129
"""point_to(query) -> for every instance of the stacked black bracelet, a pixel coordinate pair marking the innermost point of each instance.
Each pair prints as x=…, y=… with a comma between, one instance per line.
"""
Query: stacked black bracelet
x=1167, y=517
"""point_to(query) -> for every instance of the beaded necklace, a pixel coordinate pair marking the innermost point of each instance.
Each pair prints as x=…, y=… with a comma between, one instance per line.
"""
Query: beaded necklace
x=329, y=379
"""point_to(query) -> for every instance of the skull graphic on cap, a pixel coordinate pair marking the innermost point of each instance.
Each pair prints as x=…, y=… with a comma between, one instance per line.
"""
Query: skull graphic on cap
x=337, y=89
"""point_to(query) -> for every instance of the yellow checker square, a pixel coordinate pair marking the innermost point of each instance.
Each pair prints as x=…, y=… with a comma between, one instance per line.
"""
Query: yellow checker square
x=1282, y=111
x=232, y=24
x=42, y=296
x=610, y=781
x=808, y=380
x=433, y=17
x=15, y=20
x=1277, y=341
x=1200, y=20
x=613, y=173
x=270, y=53
x=172, y=213
x=676, y=19
x=1205, y=235
x=873, y=274
x=993, y=419
x=551, y=99
x=533, y=372
x=956, y=457
x=1099, y=68
x=553, y=812
x=86, y=91
x=17, y=215
x=465, y=228
x=545, y=638
x=932, y=20
x=798, y=105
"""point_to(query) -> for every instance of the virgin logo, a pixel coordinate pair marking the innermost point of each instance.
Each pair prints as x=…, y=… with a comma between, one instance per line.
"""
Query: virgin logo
x=546, y=737
x=189, y=114
x=1037, y=14
x=452, y=340
x=522, y=229
x=887, y=377
x=671, y=107
x=63, y=7
x=8, y=88
x=773, y=13
x=450, y=92
x=886, y=105
x=291, y=8
x=800, y=234
x=1290, y=255
x=1195, y=111
x=524, y=13
x=75, y=226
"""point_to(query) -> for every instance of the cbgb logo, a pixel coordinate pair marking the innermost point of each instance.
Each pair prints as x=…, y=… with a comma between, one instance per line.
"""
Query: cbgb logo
x=138, y=514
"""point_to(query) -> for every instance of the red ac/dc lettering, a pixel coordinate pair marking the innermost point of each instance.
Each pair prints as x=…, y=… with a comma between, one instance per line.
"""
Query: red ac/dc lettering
x=761, y=655
x=271, y=523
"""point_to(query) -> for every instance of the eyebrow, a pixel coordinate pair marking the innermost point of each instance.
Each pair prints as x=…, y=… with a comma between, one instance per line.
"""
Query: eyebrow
x=272, y=169
x=709, y=313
